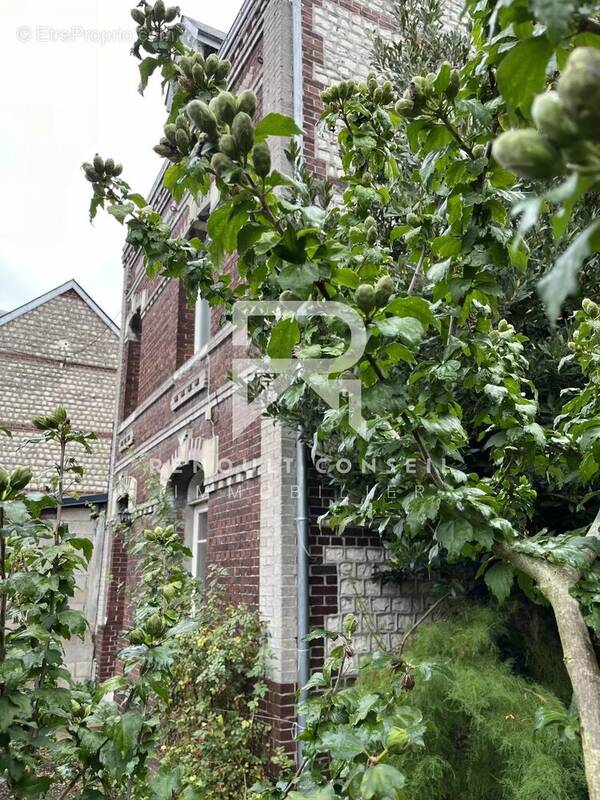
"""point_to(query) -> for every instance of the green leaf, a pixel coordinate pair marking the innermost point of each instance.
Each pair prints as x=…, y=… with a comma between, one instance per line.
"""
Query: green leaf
x=561, y=281
x=121, y=211
x=499, y=580
x=216, y=229
x=138, y=199
x=166, y=784
x=522, y=73
x=444, y=426
x=186, y=626
x=341, y=743
x=416, y=307
x=113, y=684
x=83, y=544
x=73, y=620
x=274, y=124
x=284, y=337
x=298, y=276
x=555, y=15
x=322, y=793
x=408, y=329
x=37, y=502
x=7, y=713
x=382, y=781
x=346, y=277
x=125, y=737
x=147, y=67
x=320, y=633
x=453, y=534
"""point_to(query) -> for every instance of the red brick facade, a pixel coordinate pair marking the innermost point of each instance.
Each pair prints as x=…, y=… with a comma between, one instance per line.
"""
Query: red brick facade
x=175, y=407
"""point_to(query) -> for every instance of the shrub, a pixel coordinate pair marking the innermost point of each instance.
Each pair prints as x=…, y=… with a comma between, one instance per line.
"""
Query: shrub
x=217, y=735
x=481, y=740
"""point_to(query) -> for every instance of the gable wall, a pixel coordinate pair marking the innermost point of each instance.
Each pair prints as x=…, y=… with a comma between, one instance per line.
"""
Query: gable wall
x=58, y=353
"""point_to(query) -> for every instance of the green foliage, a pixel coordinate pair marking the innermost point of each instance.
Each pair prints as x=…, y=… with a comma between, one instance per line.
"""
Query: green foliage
x=444, y=718
x=352, y=732
x=215, y=735
x=490, y=734
x=479, y=428
x=39, y=562
x=58, y=737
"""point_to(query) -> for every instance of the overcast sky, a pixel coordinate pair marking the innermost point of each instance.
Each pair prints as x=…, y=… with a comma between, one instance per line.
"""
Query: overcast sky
x=66, y=95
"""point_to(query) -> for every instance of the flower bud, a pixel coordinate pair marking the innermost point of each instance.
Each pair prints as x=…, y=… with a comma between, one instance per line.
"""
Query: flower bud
x=202, y=117
x=224, y=106
x=383, y=290
x=579, y=90
x=528, y=154
x=590, y=308
x=261, y=158
x=228, y=146
x=243, y=132
x=247, y=102
x=138, y=16
x=551, y=119
x=365, y=297
x=98, y=164
x=221, y=163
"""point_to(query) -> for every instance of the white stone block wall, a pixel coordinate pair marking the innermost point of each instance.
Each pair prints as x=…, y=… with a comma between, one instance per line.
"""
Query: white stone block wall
x=384, y=610
x=277, y=570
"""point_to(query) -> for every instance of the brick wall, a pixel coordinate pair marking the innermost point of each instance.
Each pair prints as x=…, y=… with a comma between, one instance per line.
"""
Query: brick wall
x=337, y=36
x=62, y=353
x=58, y=353
x=183, y=403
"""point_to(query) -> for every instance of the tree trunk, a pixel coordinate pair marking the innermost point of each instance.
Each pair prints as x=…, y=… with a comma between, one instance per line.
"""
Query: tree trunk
x=578, y=652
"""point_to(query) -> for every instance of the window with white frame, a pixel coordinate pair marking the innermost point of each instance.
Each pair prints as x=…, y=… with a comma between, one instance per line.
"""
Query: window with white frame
x=201, y=324
x=200, y=542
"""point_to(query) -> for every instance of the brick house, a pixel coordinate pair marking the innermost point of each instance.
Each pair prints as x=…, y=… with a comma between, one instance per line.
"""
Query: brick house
x=62, y=349
x=237, y=494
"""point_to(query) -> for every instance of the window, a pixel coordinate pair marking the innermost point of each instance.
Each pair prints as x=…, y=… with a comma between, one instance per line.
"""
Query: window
x=199, y=542
x=132, y=352
x=190, y=502
x=201, y=325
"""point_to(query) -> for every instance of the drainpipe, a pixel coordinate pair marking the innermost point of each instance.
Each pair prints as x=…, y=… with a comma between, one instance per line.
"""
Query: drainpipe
x=297, y=88
x=302, y=521
x=302, y=529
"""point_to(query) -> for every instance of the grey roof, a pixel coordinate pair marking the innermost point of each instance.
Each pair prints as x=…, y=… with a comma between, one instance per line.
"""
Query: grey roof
x=8, y=316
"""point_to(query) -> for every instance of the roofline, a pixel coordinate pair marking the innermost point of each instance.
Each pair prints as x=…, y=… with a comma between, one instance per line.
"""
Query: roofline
x=86, y=499
x=228, y=41
x=203, y=31
x=240, y=18
x=51, y=295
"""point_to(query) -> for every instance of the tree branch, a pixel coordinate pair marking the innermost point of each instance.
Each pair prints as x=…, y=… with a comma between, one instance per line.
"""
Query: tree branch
x=422, y=619
x=417, y=273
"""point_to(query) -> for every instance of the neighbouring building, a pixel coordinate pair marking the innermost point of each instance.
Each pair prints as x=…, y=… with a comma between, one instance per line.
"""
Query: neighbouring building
x=62, y=349
x=236, y=494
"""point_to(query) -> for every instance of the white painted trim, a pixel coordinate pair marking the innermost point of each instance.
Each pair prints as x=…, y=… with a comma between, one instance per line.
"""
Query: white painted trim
x=198, y=511
x=53, y=294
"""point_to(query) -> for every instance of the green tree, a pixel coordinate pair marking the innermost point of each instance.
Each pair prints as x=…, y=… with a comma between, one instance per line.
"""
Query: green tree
x=463, y=377
x=39, y=561
x=65, y=739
